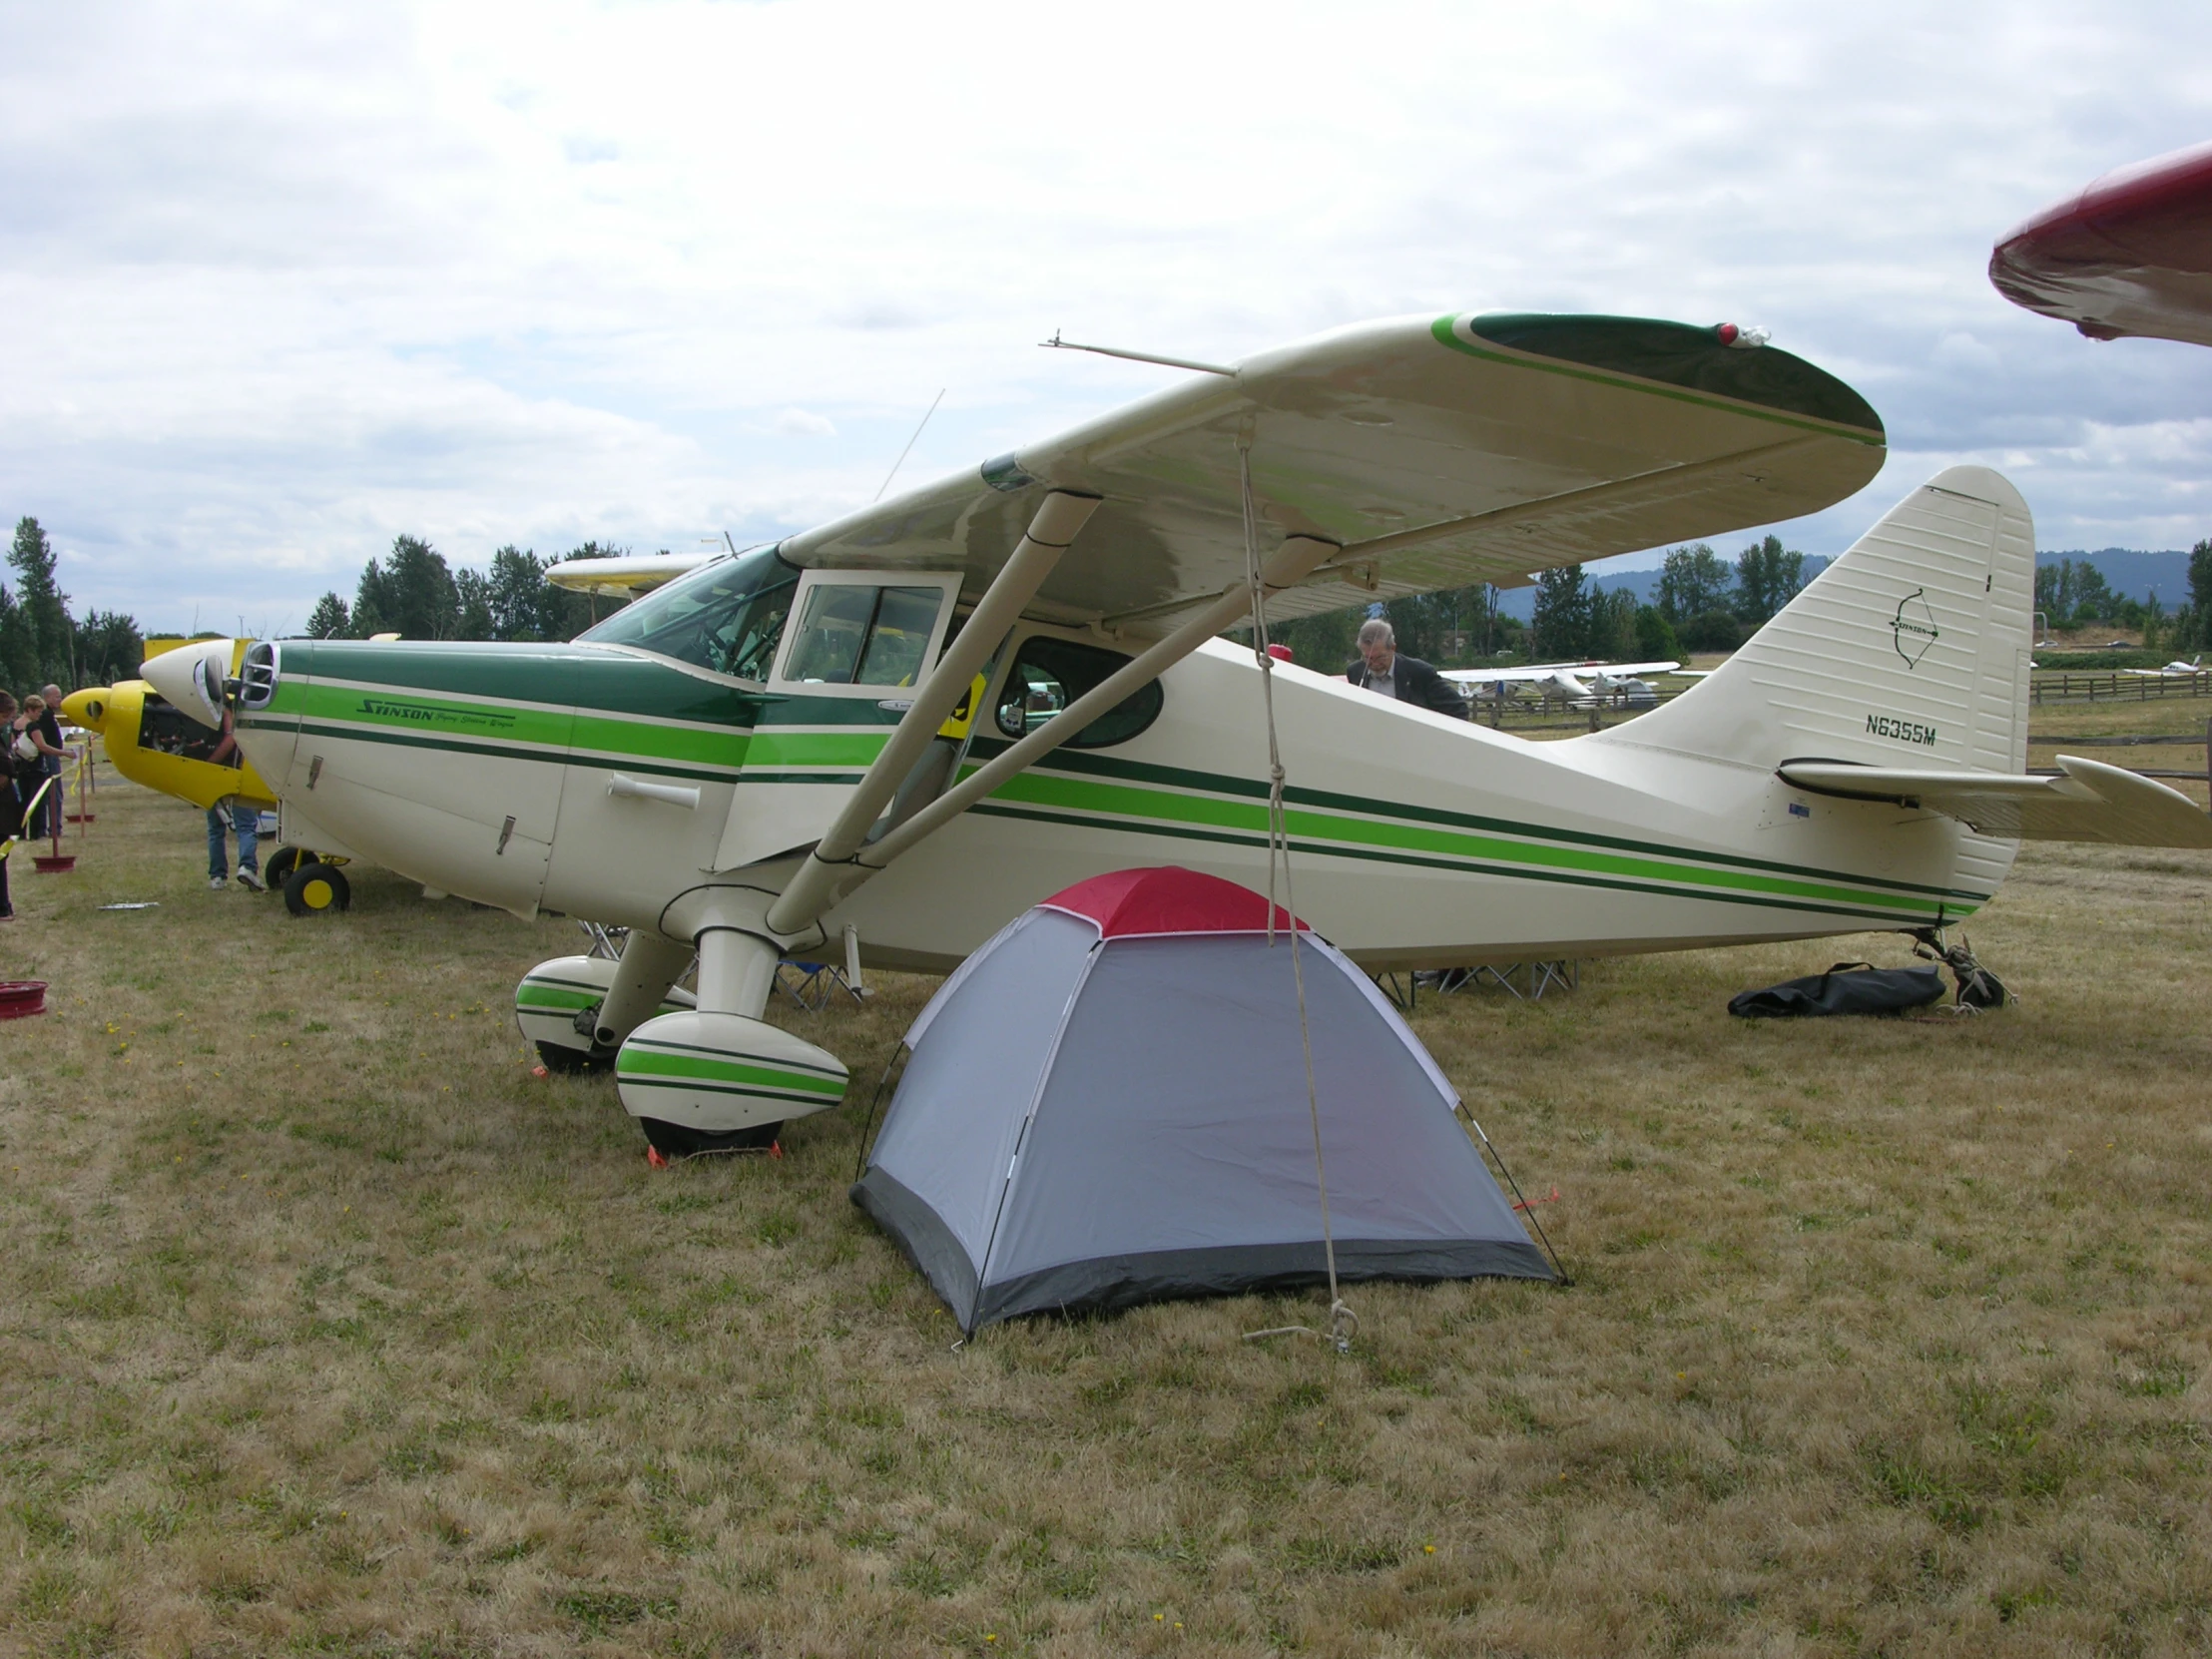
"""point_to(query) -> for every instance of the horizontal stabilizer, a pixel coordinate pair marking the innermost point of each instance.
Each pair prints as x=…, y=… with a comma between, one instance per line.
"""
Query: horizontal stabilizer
x=625, y=577
x=2091, y=802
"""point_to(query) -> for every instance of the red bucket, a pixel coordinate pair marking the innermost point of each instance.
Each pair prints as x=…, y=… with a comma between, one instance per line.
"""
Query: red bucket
x=21, y=997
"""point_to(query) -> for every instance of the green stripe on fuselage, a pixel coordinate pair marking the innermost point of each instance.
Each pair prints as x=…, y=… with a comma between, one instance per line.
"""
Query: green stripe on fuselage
x=1327, y=830
x=581, y=676
x=782, y=746
x=1252, y=788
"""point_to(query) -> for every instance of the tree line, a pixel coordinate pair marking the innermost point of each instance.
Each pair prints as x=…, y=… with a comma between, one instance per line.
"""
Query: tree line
x=2074, y=595
x=412, y=592
x=41, y=643
x=415, y=593
x=1702, y=603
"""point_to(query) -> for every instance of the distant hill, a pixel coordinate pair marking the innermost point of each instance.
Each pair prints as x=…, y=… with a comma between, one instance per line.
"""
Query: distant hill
x=2130, y=573
x=2134, y=575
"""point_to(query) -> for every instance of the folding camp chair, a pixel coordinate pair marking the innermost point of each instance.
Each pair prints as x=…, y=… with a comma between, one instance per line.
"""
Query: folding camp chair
x=814, y=985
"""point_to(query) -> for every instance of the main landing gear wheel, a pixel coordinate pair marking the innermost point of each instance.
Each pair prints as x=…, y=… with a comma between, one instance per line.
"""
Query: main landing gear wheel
x=282, y=863
x=315, y=887
x=574, y=1063
x=673, y=1140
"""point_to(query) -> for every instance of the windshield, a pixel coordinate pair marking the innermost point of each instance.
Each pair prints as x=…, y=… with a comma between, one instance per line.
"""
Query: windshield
x=726, y=617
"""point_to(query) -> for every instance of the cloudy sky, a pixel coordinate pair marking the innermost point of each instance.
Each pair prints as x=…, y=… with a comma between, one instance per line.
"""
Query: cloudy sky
x=281, y=282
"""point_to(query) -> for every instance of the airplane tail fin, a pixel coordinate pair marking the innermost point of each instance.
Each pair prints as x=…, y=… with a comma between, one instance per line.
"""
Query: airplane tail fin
x=1910, y=649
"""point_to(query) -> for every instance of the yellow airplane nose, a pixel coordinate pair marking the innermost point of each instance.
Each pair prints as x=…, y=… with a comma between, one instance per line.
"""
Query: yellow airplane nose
x=87, y=708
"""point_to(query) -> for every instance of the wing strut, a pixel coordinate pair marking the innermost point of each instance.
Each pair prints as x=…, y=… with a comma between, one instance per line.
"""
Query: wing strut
x=1053, y=528
x=821, y=884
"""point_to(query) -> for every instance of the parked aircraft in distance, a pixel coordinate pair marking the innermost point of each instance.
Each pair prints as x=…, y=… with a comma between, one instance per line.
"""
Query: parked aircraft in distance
x=153, y=741
x=1579, y=683
x=2194, y=665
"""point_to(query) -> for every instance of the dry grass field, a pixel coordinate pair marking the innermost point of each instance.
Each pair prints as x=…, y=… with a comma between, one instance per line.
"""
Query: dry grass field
x=326, y=1328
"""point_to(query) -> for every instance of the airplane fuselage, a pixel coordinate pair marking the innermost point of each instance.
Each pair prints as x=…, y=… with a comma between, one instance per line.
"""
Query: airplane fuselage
x=605, y=782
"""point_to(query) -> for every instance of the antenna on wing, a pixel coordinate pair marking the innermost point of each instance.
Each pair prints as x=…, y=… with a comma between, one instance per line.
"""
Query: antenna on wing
x=1056, y=343
x=903, y=453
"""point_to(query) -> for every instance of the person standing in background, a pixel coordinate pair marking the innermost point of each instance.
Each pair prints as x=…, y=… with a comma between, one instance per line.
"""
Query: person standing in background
x=11, y=803
x=46, y=733
x=1387, y=671
x=243, y=821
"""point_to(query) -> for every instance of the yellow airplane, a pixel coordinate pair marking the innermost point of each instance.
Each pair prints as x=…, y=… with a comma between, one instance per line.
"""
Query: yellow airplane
x=151, y=740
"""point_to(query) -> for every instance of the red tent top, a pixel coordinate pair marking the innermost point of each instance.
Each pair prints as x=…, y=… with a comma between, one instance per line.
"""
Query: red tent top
x=2130, y=254
x=1166, y=899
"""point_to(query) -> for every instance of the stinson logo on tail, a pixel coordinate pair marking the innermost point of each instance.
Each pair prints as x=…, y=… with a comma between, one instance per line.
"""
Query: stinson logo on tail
x=1915, y=632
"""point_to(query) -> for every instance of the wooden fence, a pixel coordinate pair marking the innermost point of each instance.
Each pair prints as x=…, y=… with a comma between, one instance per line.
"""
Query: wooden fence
x=2115, y=687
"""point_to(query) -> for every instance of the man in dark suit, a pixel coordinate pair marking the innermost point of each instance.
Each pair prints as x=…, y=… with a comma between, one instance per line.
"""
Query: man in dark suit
x=1387, y=671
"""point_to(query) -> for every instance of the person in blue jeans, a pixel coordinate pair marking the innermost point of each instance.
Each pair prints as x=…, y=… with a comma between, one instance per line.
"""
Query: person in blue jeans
x=243, y=822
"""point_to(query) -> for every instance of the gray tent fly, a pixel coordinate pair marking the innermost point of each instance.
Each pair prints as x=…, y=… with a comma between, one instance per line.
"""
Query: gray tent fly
x=1106, y=1105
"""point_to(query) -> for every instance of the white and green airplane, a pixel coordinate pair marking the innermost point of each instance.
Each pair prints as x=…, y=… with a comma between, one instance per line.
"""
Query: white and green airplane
x=894, y=733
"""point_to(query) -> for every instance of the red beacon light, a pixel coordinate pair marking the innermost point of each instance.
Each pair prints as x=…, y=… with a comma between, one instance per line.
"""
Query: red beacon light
x=1743, y=340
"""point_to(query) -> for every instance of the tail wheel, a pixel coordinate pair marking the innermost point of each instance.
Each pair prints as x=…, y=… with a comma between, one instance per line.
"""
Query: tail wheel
x=282, y=863
x=315, y=887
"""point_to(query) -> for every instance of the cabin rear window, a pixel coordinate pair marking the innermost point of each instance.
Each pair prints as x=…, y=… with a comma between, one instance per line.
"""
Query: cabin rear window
x=1050, y=674
x=726, y=616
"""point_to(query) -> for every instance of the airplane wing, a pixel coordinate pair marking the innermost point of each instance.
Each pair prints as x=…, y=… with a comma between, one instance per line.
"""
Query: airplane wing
x=2131, y=255
x=625, y=577
x=1434, y=451
x=1465, y=676
x=2090, y=802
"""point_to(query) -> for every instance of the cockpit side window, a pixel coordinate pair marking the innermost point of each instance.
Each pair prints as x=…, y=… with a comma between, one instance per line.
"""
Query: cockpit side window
x=726, y=617
x=856, y=634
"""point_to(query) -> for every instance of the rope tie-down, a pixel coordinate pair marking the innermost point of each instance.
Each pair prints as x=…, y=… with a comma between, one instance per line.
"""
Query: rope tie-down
x=1344, y=1324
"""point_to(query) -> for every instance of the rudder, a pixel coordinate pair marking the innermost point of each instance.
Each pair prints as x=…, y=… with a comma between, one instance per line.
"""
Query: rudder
x=1910, y=650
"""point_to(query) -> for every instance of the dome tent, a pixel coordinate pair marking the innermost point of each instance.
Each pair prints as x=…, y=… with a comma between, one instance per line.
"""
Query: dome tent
x=1106, y=1105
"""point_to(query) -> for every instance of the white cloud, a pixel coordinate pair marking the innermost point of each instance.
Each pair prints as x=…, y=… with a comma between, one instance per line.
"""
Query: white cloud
x=281, y=284
x=804, y=423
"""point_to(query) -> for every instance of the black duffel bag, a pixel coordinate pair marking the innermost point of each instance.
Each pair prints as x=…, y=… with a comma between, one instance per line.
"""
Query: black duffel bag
x=1846, y=988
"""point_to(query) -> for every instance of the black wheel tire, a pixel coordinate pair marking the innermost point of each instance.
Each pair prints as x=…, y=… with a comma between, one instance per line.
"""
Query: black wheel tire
x=673, y=1140
x=282, y=863
x=315, y=888
x=574, y=1063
